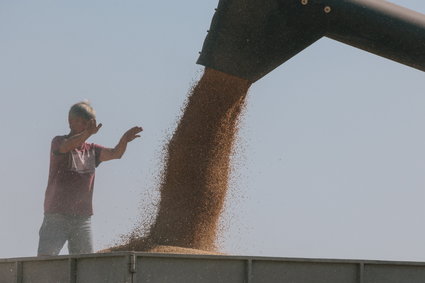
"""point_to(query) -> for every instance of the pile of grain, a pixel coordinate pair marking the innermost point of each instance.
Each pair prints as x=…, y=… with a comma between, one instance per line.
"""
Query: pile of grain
x=197, y=167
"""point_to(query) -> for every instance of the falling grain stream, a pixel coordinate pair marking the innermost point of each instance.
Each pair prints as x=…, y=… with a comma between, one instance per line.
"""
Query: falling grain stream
x=197, y=166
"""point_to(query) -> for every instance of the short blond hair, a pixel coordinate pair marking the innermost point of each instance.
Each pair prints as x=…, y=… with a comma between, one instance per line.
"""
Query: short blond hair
x=82, y=109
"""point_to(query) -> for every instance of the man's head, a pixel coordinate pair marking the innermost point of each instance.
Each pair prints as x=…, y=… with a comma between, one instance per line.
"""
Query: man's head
x=79, y=116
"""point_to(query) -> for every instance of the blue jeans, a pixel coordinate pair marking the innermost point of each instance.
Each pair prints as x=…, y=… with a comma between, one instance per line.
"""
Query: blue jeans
x=58, y=228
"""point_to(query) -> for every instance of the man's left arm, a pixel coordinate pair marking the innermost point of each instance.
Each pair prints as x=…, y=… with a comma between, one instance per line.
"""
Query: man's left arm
x=118, y=151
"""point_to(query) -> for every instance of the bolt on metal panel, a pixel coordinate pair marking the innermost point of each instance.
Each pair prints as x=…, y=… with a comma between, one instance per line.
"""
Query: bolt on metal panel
x=7, y=272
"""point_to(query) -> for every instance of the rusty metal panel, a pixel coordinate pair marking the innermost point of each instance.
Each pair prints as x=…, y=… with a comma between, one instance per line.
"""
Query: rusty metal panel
x=173, y=269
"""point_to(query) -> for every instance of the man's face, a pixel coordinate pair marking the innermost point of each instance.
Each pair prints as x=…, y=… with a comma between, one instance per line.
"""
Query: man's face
x=77, y=124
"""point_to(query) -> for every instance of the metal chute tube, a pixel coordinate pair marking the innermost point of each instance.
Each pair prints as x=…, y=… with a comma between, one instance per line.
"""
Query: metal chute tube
x=379, y=27
x=250, y=38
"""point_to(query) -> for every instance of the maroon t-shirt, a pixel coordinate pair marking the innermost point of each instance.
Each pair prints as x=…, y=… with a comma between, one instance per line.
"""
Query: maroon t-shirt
x=71, y=179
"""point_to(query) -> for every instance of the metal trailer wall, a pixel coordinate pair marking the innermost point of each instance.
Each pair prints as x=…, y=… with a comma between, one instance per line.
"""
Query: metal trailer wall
x=132, y=267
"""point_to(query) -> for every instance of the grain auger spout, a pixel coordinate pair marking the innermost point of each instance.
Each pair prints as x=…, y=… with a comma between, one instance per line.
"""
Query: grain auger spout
x=250, y=38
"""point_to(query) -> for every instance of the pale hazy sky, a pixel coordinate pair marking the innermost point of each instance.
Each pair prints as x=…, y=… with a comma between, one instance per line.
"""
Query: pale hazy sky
x=331, y=154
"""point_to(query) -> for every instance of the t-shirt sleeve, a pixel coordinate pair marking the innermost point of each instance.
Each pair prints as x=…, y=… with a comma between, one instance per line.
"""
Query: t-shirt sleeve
x=56, y=143
x=97, y=149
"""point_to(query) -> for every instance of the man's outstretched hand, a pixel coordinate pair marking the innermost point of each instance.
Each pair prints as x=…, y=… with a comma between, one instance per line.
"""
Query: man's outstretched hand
x=118, y=151
x=132, y=134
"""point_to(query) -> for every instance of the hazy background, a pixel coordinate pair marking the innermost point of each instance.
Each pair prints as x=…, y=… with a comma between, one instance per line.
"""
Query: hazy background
x=331, y=154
